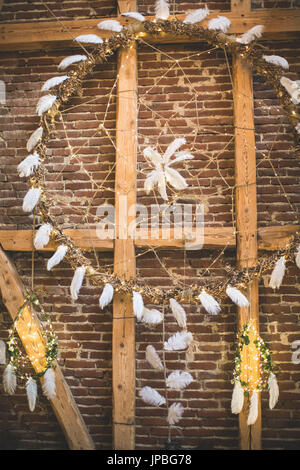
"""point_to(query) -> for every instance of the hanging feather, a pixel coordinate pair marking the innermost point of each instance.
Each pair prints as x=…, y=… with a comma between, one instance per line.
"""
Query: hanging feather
x=151, y=316
x=253, y=411
x=89, y=39
x=34, y=138
x=110, y=25
x=106, y=296
x=292, y=87
x=196, y=16
x=31, y=199
x=31, y=390
x=172, y=148
x=175, y=179
x=178, y=312
x=297, y=257
x=134, y=14
x=276, y=60
x=219, y=24
x=57, y=257
x=162, y=9
x=273, y=390
x=153, y=358
x=179, y=341
x=138, y=305
x=237, y=297
x=175, y=413
x=151, y=180
x=209, y=303
x=151, y=396
x=251, y=34
x=9, y=380
x=179, y=379
x=49, y=388
x=71, y=59
x=52, y=82
x=77, y=281
x=27, y=166
x=42, y=236
x=237, y=400
x=278, y=273
x=45, y=103
x=297, y=127
x=182, y=155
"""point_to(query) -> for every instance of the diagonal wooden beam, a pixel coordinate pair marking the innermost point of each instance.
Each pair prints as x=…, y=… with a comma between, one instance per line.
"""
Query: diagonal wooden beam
x=279, y=24
x=29, y=330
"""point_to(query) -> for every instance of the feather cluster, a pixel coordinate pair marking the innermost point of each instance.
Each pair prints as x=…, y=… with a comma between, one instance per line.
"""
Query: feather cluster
x=251, y=34
x=179, y=380
x=34, y=138
x=71, y=59
x=31, y=390
x=49, y=387
x=237, y=400
x=178, y=341
x=110, y=25
x=196, y=16
x=153, y=358
x=237, y=297
x=57, y=257
x=221, y=23
x=273, y=390
x=42, y=236
x=138, y=305
x=77, y=281
x=297, y=257
x=277, y=273
x=9, y=380
x=151, y=316
x=209, y=303
x=45, y=103
x=253, y=411
x=150, y=396
x=106, y=296
x=31, y=199
x=175, y=413
x=27, y=166
x=134, y=14
x=276, y=60
x=178, y=312
x=53, y=82
x=162, y=9
x=293, y=88
x=89, y=39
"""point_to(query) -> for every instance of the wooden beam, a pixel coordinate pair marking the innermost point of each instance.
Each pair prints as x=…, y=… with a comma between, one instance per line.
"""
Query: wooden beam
x=30, y=334
x=279, y=24
x=123, y=359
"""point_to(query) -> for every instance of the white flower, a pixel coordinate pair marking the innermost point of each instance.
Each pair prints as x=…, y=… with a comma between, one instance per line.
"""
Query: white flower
x=163, y=174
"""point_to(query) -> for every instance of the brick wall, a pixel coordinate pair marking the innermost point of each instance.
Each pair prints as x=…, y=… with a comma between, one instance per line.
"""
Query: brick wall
x=176, y=99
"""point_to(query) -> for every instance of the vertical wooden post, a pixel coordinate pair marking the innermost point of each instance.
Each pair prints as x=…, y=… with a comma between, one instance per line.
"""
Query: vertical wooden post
x=123, y=361
x=246, y=208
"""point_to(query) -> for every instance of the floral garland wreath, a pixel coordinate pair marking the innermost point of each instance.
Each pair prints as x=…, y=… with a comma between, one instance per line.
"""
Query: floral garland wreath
x=271, y=68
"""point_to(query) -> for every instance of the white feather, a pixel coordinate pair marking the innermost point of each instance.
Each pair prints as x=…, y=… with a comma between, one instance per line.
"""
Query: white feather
x=77, y=281
x=34, y=138
x=297, y=127
x=31, y=390
x=251, y=34
x=162, y=9
x=135, y=15
x=150, y=396
x=277, y=273
x=297, y=257
x=179, y=379
x=180, y=156
x=173, y=147
x=26, y=167
x=45, y=103
x=175, y=179
x=162, y=186
x=273, y=390
x=253, y=411
x=106, y=296
x=151, y=316
x=153, y=358
x=138, y=305
x=9, y=380
x=52, y=82
x=178, y=312
x=237, y=297
x=209, y=303
x=276, y=60
x=31, y=199
x=237, y=400
x=292, y=87
x=196, y=16
x=89, y=39
x=219, y=24
x=49, y=387
x=71, y=59
x=151, y=180
x=175, y=413
x=110, y=25
x=178, y=341
x=57, y=257
x=42, y=236
x=153, y=155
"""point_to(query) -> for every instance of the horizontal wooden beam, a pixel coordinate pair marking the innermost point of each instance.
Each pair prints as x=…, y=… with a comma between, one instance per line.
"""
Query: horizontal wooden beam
x=269, y=238
x=279, y=24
